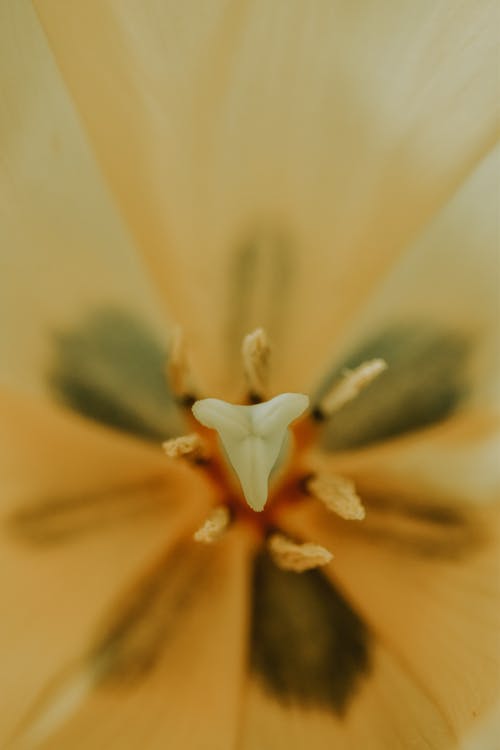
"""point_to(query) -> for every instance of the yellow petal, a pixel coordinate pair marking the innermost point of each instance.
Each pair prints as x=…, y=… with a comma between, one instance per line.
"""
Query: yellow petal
x=435, y=322
x=453, y=463
x=389, y=710
x=44, y=449
x=65, y=251
x=190, y=694
x=322, y=677
x=442, y=619
x=272, y=159
x=434, y=605
x=53, y=592
x=109, y=366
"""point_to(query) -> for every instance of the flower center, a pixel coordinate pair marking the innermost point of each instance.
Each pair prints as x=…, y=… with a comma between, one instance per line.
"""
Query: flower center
x=256, y=453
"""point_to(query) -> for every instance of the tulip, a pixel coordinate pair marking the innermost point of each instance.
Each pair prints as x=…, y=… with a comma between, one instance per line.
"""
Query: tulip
x=249, y=418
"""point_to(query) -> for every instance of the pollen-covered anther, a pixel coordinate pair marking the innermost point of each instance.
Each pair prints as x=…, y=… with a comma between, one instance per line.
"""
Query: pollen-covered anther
x=191, y=447
x=178, y=370
x=255, y=353
x=214, y=527
x=338, y=494
x=289, y=555
x=351, y=384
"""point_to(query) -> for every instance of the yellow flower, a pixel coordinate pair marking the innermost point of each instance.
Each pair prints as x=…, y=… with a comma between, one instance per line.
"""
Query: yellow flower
x=328, y=171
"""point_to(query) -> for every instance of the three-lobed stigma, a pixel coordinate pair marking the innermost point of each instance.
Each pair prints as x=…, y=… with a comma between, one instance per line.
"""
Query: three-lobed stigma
x=252, y=437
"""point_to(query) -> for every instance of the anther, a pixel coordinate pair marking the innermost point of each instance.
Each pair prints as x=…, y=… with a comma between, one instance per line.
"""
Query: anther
x=338, y=494
x=255, y=353
x=351, y=384
x=191, y=447
x=178, y=371
x=289, y=555
x=214, y=527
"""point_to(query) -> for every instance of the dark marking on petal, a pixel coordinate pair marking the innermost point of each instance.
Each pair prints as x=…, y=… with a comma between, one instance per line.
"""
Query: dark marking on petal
x=308, y=645
x=455, y=546
x=259, y=288
x=61, y=519
x=111, y=369
x=442, y=515
x=425, y=381
x=419, y=530
x=149, y=615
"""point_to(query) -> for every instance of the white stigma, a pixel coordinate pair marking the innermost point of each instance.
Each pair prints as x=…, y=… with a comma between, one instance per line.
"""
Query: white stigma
x=252, y=437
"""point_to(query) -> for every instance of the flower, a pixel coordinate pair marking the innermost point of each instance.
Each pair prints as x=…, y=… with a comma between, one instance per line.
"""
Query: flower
x=328, y=171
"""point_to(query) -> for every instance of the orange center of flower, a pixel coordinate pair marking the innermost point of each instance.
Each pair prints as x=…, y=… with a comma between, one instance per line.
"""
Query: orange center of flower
x=256, y=454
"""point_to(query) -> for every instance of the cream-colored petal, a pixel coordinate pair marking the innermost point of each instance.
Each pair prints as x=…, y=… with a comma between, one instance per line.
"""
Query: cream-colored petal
x=190, y=695
x=271, y=159
x=110, y=367
x=43, y=449
x=321, y=676
x=65, y=251
x=434, y=605
x=484, y=734
x=390, y=710
x=453, y=463
x=54, y=592
x=434, y=320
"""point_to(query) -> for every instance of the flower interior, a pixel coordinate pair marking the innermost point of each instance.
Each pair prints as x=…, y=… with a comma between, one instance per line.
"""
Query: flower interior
x=256, y=453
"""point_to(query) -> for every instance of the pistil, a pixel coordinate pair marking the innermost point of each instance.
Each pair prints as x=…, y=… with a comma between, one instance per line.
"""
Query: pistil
x=253, y=437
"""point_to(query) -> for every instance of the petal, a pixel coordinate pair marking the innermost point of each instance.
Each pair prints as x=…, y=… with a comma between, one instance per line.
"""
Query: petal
x=65, y=251
x=454, y=463
x=191, y=696
x=390, y=710
x=53, y=595
x=110, y=367
x=271, y=159
x=321, y=676
x=44, y=449
x=485, y=734
x=308, y=646
x=435, y=609
x=434, y=320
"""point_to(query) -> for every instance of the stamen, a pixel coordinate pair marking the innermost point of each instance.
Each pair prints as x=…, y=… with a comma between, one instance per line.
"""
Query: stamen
x=255, y=351
x=338, y=494
x=252, y=436
x=178, y=370
x=191, y=447
x=214, y=527
x=349, y=387
x=289, y=555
